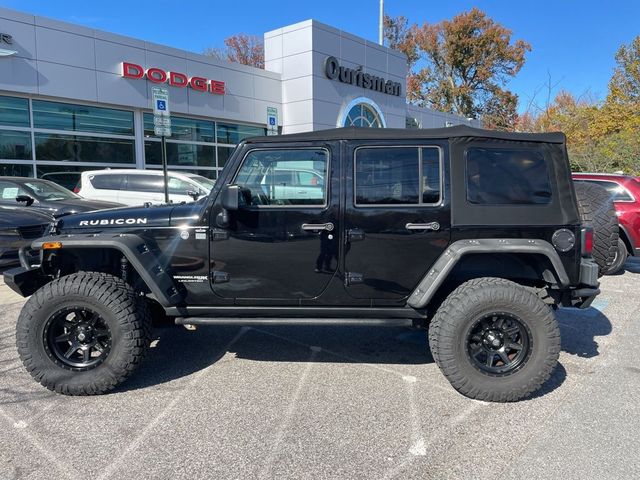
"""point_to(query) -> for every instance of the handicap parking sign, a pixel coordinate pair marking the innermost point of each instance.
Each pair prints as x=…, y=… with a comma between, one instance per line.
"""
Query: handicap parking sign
x=162, y=105
x=272, y=120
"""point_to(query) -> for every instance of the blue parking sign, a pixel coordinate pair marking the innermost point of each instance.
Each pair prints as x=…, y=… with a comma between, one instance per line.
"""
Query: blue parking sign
x=272, y=120
x=162, y=105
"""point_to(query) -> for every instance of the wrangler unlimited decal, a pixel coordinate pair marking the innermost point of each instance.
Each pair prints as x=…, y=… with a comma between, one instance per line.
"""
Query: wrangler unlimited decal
x=113, y=221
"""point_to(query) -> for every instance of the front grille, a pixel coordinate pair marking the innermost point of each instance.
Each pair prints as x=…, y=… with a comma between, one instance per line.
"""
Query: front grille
x=32, y=231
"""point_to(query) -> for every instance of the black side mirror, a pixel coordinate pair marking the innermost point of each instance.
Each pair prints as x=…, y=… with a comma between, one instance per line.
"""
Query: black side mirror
x=25, y=199
x=193, y=194
x=231, y=197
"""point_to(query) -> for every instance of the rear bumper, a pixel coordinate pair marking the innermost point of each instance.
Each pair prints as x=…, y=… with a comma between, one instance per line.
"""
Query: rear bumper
x=583, y=296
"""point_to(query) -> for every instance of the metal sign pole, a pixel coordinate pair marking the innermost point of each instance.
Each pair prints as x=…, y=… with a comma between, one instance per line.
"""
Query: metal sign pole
x=162, y=129
x=163, y=142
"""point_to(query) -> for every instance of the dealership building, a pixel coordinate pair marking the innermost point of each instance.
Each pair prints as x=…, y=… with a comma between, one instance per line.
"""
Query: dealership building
x=74, y=98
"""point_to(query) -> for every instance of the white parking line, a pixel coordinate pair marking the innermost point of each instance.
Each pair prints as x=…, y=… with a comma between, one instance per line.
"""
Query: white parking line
x=282, y=428
x=118, y=462
x=351, y=359
x=20, y=428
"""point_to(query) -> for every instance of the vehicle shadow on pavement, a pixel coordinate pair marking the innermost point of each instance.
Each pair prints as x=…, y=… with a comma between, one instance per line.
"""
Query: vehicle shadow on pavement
x=178, y=352
x=632, y=265
x=579, y=328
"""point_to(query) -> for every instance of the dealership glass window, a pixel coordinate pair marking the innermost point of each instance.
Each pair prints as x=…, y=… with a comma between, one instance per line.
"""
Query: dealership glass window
x=15, y=145
x=234, y=134
x=505, y=176
x=212, y=175
x=180, y=154
x=15, y=170
x=74, y=148
x=391, y=176
x=223, y=155
x=183, y=128
x=81, y=118
x=14, y=111
x=363, y=115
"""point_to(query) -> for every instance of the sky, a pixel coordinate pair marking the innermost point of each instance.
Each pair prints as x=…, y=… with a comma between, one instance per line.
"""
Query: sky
x=573, y=42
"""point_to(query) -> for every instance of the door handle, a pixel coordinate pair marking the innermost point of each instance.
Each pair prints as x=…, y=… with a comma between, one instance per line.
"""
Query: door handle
x=423, y=226
x=317, y=226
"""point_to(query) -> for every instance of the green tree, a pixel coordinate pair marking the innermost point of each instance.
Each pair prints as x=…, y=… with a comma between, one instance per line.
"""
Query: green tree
x=624, y=86
x=464, y=65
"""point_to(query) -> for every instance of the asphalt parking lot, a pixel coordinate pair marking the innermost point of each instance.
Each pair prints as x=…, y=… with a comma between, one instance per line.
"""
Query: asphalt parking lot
x=283, y=402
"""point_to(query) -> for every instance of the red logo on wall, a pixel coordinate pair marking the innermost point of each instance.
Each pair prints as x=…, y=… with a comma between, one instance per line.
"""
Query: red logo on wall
x=175, y=79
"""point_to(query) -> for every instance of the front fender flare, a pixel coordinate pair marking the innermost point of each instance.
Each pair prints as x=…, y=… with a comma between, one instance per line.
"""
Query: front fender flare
x=437, y=274
x=139, y=254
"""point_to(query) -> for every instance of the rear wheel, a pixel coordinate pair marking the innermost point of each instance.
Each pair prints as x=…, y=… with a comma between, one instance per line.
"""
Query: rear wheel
x=620, y=258
x=598, y=212
x=83, y=334
x=495, y=340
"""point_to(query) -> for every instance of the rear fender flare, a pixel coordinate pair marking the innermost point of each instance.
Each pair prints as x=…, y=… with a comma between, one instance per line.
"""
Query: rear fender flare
x=438, y=273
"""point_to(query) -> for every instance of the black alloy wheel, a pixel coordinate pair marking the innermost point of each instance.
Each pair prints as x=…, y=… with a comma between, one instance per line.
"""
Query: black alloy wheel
x=498, y=344
x=77, y=339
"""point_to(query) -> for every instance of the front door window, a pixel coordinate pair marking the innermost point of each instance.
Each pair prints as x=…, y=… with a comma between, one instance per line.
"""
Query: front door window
x=284, y=178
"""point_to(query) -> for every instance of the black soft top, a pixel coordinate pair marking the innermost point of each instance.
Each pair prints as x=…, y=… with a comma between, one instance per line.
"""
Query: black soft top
x=355, y=133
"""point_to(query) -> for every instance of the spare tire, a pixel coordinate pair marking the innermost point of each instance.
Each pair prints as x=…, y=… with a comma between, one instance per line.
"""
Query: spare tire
x=598, y=212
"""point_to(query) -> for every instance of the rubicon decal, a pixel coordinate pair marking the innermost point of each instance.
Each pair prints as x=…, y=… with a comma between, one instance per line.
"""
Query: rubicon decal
x=113, y=221
x=175, y=79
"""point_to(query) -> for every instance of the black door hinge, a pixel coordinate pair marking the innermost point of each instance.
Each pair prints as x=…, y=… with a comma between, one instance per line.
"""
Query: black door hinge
x=219, y=277
x=353, y=278
x=218, y=235
x=355, y=235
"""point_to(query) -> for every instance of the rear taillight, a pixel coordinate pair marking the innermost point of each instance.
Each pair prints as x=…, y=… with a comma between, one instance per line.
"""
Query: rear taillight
x=587, y=241
x=76, y=190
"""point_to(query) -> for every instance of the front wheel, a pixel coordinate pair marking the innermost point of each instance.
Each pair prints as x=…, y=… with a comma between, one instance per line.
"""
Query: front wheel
x=83, y=334
x=495, y=340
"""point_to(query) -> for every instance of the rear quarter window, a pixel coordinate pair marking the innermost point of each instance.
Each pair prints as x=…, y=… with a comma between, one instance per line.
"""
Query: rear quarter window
x=617, y=192
x=502, y=176
x=107, y=182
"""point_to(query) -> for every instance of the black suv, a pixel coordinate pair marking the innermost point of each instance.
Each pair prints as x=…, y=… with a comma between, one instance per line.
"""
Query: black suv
x=476, y=235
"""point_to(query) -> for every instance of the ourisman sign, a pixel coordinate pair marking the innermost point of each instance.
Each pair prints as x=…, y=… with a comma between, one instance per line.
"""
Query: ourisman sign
x=355, y=76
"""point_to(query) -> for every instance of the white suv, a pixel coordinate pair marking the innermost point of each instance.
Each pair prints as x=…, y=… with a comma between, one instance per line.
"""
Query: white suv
x=136, y=187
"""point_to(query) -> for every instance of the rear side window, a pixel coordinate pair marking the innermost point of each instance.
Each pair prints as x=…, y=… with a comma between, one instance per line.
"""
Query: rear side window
x=500, y=176
x=145, y=183
x=107, y=182
x=618, y=192
x=397, y=176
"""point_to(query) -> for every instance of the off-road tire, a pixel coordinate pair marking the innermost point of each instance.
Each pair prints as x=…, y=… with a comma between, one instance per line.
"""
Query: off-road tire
x=620, y=259
x=598, y=211
x=476, y=299
x=125, y=314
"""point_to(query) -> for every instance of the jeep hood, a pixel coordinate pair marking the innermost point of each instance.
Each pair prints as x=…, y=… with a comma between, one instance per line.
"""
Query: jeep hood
x=133, y=217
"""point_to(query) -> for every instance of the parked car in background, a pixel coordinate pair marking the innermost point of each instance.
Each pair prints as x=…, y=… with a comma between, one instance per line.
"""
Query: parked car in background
x=293, y=183
x=68, y=180
x=19, y=226
x=47, y=196
x=136, y=187
x=625, y=192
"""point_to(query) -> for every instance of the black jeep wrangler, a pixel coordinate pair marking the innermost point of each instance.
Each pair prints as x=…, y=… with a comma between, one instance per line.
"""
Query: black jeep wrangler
x=476, y=235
